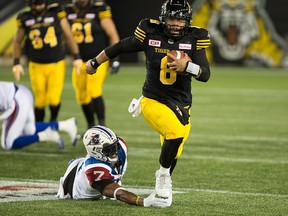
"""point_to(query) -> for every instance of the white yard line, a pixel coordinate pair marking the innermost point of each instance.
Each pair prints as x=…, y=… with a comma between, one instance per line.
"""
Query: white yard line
x=29, y=190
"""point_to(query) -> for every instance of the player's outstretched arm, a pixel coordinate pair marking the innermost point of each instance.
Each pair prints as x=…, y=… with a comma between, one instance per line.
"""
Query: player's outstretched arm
x=93, y=64
x=114, y=190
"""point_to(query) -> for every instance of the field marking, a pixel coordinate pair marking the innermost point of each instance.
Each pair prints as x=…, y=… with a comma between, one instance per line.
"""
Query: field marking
x=29, y=190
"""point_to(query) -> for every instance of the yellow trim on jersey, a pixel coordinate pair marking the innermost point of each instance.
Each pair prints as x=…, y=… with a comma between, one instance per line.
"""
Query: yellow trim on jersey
x=19, y=23
x=202, y=44
x=61, y=14
x=105, y=14
x=140, y=34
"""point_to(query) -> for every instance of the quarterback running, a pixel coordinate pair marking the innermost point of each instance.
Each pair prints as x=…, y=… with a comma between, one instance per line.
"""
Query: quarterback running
x=166, y=94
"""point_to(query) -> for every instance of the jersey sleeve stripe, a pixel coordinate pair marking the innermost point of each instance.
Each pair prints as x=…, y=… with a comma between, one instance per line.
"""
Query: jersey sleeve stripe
x=140, y=34
x=105, y=14
x=202, y=44
x=19, y=23
x=61, y=14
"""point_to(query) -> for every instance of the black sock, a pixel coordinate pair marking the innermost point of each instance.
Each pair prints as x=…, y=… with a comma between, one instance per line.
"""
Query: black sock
x=173, y=166
x=99, y=108
x=39, y=114
x=89, y=114
x=54, y=110
x=169, y=151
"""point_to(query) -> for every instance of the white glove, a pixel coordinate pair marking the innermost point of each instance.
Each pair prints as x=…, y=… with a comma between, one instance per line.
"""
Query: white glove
x=77, y=63
x=151, y=200
x=135, y=107
x=18, y=71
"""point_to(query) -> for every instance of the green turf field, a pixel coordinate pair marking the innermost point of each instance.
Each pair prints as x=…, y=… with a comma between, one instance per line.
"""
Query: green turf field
x=235, y=161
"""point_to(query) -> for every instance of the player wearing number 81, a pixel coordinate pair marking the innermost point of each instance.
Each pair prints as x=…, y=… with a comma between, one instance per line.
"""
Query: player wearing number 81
x=167, y=96
x=93, y=29
x=43, y=28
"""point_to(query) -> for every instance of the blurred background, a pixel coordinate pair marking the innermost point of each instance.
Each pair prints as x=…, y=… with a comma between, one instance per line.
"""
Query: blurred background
x=243, y=32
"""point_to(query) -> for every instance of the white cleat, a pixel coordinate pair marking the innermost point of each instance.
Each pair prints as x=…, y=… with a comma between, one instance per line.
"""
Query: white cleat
x=51, y=135
x=163, y=186
x=69, y=126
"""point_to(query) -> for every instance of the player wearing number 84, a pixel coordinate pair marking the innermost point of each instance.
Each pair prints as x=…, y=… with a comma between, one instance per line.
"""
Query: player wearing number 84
x=43, y=28
x=167, y=96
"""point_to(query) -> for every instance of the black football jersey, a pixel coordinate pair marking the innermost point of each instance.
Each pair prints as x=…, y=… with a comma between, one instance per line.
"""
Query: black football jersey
x=87, y=31
x=161, y=82
x=43, y=41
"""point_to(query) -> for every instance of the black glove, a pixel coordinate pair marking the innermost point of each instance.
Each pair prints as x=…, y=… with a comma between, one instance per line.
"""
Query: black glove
x=115, y=66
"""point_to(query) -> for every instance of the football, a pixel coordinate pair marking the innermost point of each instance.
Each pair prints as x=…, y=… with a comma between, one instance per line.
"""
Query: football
x=178, y=54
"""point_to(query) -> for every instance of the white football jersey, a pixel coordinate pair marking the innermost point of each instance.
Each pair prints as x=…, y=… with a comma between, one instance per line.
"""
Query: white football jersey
x=7, y=103
x=91, y=170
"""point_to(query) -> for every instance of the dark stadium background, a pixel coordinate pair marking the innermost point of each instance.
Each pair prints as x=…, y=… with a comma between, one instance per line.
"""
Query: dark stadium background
x=128, y=13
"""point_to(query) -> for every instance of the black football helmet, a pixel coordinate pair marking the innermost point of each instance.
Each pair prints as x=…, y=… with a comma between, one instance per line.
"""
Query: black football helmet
x=37, y=2
x=176, y=9
x=82, y=4
x=34, y=3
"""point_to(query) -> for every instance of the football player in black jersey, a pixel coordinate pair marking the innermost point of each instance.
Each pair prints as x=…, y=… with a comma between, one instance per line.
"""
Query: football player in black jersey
x=166, y=91
x=43, y=28
x=93, y=29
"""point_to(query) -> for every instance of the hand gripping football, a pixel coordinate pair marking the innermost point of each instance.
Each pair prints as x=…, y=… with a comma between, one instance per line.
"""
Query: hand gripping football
x=178, y=54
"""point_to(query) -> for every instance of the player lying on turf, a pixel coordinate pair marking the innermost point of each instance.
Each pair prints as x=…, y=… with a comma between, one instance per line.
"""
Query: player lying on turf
x=98, y=175
x=19, y=128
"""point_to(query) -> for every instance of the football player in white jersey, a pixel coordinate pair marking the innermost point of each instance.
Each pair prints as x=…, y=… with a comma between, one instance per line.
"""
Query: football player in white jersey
x=19, y=128
x=99, y=174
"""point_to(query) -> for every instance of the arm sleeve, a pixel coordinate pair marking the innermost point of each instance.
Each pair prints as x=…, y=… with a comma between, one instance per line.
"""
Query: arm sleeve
x=126, y=45
x=200, y=59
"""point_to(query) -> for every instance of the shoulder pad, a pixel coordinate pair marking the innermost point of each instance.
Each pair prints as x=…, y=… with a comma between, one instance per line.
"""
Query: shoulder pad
x=98, y=4
x=202, y=36
x=153, y=21
x=54, y=5
x=147, y=23
x=23, y=14
x=69, y=5
x=199, y=33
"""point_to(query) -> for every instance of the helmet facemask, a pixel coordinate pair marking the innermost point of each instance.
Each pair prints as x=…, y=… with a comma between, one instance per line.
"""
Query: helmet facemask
x=102, y=144
x=176, y=10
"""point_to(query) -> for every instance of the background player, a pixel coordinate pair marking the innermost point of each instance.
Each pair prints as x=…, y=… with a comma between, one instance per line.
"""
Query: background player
x=19, y=128
x=93, y=30
x=99, y=174
x=166, y=91
x=42, y=28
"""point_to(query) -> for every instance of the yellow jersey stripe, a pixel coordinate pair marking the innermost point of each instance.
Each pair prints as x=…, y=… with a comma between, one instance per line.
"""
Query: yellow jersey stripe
x=19, y=23
x=105, y=14
x=61, y=14
x=140, y=34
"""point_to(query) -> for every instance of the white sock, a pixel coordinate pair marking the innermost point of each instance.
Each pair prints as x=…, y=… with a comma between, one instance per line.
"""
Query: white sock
x=164, y=171
x=62, y=126
x=43, y=136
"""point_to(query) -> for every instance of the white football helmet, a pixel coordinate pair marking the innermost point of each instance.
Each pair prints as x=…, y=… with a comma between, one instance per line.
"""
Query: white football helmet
x=102, y=144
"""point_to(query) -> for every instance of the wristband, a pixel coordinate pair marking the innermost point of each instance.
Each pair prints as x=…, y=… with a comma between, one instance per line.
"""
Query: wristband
x=16, y=61
x=116, y=190
x=94, y=63
x=137, y=200
x=76, y=56
x=192, y=68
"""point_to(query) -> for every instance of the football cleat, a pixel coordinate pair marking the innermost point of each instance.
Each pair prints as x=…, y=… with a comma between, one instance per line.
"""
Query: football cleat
x=163, y=186
x=69, y=126
x=51, y=135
